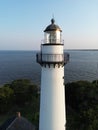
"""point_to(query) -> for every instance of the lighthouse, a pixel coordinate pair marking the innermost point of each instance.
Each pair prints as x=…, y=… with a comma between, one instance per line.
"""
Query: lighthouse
x=52, y=60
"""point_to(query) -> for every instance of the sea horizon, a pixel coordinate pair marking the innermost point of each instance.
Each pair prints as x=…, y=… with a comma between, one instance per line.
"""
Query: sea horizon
x=64, y=49
x=17, y=64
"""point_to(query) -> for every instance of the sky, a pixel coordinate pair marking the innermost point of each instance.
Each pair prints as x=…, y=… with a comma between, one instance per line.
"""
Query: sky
x=22, y=23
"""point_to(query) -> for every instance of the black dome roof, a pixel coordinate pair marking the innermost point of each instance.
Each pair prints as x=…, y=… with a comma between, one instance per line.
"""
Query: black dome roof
x=52, y=27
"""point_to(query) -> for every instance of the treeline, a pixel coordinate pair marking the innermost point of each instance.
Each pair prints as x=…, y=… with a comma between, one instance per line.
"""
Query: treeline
x=82, y=105
x=20, y=95
x=81, y=102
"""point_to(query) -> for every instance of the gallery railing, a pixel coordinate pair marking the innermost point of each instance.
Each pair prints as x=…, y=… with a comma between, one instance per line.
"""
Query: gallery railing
x=52, y=58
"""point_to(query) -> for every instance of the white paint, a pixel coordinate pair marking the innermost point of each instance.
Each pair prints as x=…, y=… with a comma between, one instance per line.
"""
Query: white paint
x=52, y=108
x=52, y=49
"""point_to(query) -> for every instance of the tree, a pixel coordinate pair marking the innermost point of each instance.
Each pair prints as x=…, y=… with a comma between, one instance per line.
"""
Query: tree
x=6, y=98
x=23, y=91
x=82, y=99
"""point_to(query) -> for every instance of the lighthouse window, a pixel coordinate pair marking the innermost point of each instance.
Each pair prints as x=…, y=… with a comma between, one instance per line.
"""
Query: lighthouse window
x=47, y=37
x=52, y=38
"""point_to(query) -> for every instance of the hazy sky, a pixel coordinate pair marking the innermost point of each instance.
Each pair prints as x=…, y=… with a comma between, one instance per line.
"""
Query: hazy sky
x=22, y=23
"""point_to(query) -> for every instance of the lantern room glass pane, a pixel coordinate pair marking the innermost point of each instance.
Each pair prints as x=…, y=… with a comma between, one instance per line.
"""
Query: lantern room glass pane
x=53, y=37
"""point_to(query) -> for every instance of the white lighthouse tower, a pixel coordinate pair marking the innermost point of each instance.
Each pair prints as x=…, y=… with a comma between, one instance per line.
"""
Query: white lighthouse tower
x=52, y=60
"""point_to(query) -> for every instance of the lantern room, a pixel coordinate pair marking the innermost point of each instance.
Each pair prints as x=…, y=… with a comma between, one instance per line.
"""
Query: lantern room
x=53, y=34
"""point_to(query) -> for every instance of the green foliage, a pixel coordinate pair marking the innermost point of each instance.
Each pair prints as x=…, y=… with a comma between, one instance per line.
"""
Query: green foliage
x=82, y=108
x=6, y=96
x=81, y=102
x=24, y=91
x=17, y=96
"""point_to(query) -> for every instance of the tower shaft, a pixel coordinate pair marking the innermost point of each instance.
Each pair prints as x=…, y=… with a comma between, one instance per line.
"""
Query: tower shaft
x=52, y=109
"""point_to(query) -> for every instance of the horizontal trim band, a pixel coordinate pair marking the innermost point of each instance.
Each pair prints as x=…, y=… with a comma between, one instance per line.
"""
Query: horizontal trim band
x=47, y=44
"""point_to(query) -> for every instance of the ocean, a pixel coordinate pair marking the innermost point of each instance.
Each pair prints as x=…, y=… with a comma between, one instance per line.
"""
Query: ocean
x=83, y=65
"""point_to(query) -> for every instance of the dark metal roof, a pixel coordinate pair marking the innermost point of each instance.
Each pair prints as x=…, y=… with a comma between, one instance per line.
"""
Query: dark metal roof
x=17, y=123
x=7, y=123
x=52, y=27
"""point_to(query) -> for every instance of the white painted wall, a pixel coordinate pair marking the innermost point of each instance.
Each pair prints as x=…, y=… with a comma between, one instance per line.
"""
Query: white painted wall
x=52, y=49
x=52, y=104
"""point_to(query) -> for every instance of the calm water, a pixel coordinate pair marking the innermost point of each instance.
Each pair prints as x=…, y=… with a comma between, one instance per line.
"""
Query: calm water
x=83, y=65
